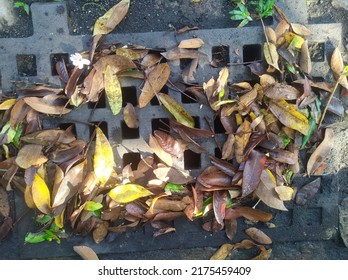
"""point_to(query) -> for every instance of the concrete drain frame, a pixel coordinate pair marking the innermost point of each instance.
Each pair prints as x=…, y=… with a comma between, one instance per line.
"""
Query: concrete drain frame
x=317, y=221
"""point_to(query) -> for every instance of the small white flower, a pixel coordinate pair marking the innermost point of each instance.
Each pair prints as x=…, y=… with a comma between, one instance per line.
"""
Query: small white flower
x=78, y=60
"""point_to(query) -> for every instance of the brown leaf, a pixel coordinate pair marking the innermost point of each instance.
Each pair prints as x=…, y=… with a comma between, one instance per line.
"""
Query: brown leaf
x=264, y=255
x=231, y=228
x=69, y=186
x=38, y=91
x=271, y=35
x=193, y=43
x=170, y=205
x=193, y=133
x=178, y=53
x=172, y=175
x=337, y=66
x=155, y=80
x=271, y=55
x=252, y=172
x=72, y=82
x=284, y=156
x=5, y=228
x=62, y=71
x=49, y=137
x=116, y=62
x=282, y=27
x=93, y=90
x=281, y=91
x=247, y=99
x=100, y=232
x=150, y=60
x=30, y=155
x=47, y=105
x=85, y=252
x=321, y=152
x=266, y=191
x=18, y=112
x=305, y=58
x=4, y=203
x=300, y=29
x=258, y=235
x=253, y=214
x=308, y=191
x=241, y=140
x=212, y=176
x=219, y=205
x=132, y=54
x=222, y=252
x=66, y=152
x=228, y=148
x=130, y=116
x=223, y=165
x=169, y=144
x=255, y=139
x=157, y=149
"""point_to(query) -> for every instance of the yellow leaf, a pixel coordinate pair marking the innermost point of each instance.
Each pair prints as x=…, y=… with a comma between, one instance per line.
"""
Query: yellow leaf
x=287, y=114
x=176, y=110
x=132, y=54
x=28, y=197
x=7, y=104
x=41, y=195
x=193, y=43
x=285, y=193
x=103, y=160
x=59, y=220
x=271, y=55
x=294, y=40
x=222, y=252
x=113, y=90
x=128, y=192
x=106, y=23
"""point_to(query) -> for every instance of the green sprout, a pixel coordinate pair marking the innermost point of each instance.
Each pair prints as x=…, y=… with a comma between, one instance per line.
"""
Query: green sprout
x=23, y=5
x=241, y=14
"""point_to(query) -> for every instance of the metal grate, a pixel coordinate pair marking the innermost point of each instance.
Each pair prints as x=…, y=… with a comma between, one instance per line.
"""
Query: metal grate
x=317, y=221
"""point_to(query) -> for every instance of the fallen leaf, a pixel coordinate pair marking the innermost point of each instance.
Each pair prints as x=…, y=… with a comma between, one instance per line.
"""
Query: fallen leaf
x=228, y=148
x=179, y=113
x=50, y=105
x=103, y=160
x=253, y=214
x=8, y=104
x=308, y=191
x=128, y=193
x=305, y=58
x=41, y=195
x=222, y=252
x=18, y=112
x=72, y=82
x=194, y=133
x=4, y=203
x=155, y=81
x=337, y=66
x=282, y=91
x=287, y=114
x=271, y=35
x=271, y=55
x=223, y=165
x=241, y=140
x=158, y=150
x=231, y=228
x=169, y=144
x=266, y=191
x=193, y=43
x=113, y=90
x=212, y=176
x=132, y=54
x=285, y=193
x=118, y=63
x=100, y=232
x=252, y=172
x=264, y=255
x=258, y=235
x=30, y=155
x=170, y=174
x=107, y=22
x=300, y=29
x=130, y=116
x=85, y=252
x=321, y=152
x=219, y=205
x=178, y=53
x=171, y=205
x=284, y=156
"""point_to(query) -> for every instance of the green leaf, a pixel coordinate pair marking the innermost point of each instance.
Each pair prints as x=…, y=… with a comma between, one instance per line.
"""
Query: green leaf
x=176, y=110
x=173, y=188
x=113, y=90
x=43, y=220
x=128, y=192
x=285, y=138
x=35, y=237
x=312, y=127
x=26, y=8
x=93, y=206
x=206, y=203
x=103, y=160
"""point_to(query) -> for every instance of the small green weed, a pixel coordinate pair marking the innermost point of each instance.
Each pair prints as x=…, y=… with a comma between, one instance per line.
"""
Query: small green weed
x=23, y=5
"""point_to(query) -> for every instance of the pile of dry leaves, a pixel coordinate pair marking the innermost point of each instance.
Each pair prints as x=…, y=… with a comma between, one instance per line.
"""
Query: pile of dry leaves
x=73, y=184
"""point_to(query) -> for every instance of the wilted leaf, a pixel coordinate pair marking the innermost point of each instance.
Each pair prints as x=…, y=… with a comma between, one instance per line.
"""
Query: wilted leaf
x=30, y=155
x=266, y=191
x=171, y=205
x=107, y=22
x=300, y=29
x=4, y=204
x=193, y=43
x=222, y=252
x=103, y=160
x=130, y=116
x=284, y=156
x=85, y=252
x=170, y=174
x=337, y=67
x=271, y=55
x=128, y=192
x=253, y=214
x=178, y=53
x=18, y=112
x=321, y=152
x=252, y=172
x=241, y=140
x=69, y=186
x=49, y=137
x=281, y=91
x=305, y=58
x=219, y=205
x=46, y=106
x=264, y=254
x=169, y=144
x=158, y=150
x=41, y=195
x=231, y=228
x=271, y=35
x=176, y=110
x=258, y=235
x=156, y=79
x=223, y=165
x=212, y=176
x=100, y=232
x=116, y=62
x=70, y=87
x=132, y=54
x=308, y=191
x=194, y=133
x=228, y=148
x=113, y=90
x=287, y=114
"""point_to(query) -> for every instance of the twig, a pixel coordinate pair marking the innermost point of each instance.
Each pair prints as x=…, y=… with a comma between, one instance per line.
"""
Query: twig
x=328, y=103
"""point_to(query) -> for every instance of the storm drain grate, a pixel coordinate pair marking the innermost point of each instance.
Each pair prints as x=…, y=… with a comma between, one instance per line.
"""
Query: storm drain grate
x=317, y=221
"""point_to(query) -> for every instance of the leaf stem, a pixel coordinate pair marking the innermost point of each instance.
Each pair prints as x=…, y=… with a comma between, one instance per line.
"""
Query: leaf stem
x=328, y=103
